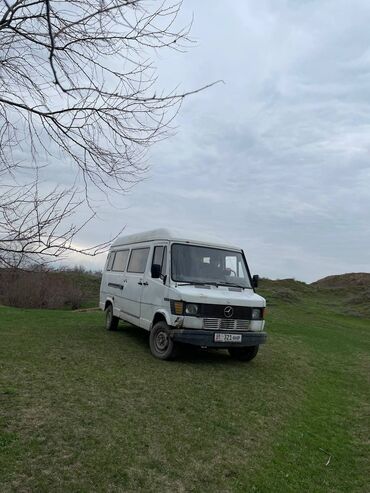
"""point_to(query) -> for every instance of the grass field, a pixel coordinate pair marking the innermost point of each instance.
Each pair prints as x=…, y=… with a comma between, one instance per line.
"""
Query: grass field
x=85, y=410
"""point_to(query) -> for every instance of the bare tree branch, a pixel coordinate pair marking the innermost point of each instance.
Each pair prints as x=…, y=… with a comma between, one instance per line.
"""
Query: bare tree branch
x=77, y=80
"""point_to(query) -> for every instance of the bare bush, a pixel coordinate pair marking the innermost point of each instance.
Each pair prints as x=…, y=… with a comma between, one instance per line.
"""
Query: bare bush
x=39, y=289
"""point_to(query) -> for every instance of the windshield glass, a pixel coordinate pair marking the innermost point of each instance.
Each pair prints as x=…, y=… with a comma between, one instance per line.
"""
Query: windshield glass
x=196, y=264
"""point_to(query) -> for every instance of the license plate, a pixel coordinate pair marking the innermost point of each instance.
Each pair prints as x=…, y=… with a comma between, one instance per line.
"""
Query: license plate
x=228, y=337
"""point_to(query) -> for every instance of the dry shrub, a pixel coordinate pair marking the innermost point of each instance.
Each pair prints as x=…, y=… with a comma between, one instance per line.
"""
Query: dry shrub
x=32, y=289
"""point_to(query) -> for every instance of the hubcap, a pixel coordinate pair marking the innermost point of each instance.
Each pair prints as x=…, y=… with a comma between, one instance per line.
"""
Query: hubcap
x=161, y=341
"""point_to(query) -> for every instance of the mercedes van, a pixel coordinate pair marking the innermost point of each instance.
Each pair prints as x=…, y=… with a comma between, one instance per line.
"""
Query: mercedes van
x=183, y=291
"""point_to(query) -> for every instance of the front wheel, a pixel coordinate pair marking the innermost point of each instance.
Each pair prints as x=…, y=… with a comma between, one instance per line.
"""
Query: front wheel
x=243, y=353
x=161, y=344
x=111, y=322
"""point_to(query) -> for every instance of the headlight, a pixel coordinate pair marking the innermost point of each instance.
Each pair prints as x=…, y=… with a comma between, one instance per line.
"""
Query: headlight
x=257, y=314
x=191, y=309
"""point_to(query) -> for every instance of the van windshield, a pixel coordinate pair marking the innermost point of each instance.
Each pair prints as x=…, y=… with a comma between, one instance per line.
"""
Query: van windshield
x=204, y=265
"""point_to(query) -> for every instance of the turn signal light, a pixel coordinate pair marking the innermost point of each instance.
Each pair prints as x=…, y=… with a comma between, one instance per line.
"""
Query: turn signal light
x=179, y=307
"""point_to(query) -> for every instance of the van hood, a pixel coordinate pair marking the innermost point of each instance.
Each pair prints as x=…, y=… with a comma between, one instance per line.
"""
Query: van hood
x=219, y=295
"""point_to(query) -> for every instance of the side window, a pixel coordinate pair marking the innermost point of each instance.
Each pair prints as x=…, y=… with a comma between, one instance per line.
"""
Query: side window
x=137, y=262
x=160, y=258
x=120, y=261
x=110, y=261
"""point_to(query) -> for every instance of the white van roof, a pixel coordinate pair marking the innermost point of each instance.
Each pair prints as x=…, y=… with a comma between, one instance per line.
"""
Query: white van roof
x=170, y=235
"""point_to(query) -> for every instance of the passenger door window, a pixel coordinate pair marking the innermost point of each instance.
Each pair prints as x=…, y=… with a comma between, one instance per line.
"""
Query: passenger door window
x=138, y=259
x=110, y=261
x=120, y=260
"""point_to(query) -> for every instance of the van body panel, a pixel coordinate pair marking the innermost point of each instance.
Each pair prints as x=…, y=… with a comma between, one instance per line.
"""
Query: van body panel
x=131, y=299
x=165, y=314
x=220, y=294
x=152, y=302
x=172, y=235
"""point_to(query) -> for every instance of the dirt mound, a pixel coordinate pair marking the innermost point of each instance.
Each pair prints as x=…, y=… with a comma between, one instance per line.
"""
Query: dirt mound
x=283, y=290
x=344, y=281
x=349, y=291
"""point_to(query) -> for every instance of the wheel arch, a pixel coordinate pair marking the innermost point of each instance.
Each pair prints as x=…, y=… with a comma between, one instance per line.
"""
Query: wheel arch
x=108, y=301
x=160, y=315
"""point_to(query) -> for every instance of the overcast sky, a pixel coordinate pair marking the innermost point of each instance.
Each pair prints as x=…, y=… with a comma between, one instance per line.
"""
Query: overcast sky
x=275, y=159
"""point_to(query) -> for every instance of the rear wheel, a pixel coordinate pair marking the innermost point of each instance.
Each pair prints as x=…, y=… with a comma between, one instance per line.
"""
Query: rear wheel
x=243, y=353
x=111, y=322
x=161, y=344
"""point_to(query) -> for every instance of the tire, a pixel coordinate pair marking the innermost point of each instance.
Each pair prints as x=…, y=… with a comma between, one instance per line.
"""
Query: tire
x=161, y=345
x=243, y=353
x=111, y=322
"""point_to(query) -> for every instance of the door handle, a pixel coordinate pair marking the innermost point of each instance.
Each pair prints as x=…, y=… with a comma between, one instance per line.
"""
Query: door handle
x=145, y=283
x=140, y=282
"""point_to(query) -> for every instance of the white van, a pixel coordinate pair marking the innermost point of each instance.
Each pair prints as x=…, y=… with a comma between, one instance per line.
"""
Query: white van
x=185, y=291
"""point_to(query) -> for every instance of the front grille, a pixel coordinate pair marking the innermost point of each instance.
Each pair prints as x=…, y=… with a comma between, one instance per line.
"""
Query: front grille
x=218, y=311
x=225, y=324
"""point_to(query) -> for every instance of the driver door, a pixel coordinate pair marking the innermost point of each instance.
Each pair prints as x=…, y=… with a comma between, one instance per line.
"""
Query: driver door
x=154, y=290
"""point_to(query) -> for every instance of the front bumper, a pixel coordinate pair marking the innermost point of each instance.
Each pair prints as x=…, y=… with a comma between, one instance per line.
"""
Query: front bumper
x=205, y=338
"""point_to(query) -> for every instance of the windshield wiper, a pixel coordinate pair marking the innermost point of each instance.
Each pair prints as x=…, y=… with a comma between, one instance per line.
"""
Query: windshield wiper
x=198, y=283
x=224, y=283
x=211, y=283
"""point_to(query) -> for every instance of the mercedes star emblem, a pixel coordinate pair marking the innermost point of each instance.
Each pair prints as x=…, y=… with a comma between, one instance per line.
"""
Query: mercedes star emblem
x=228, y=312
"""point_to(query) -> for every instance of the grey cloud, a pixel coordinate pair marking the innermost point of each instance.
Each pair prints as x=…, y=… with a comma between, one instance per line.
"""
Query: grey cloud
x=277, y=158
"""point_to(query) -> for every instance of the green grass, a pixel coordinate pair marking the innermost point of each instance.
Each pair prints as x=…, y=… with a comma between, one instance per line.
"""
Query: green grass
x=85, y=410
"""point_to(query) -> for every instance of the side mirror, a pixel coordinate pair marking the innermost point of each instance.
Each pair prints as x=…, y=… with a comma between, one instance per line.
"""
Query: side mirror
x=255, y=280
x=156, y=271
